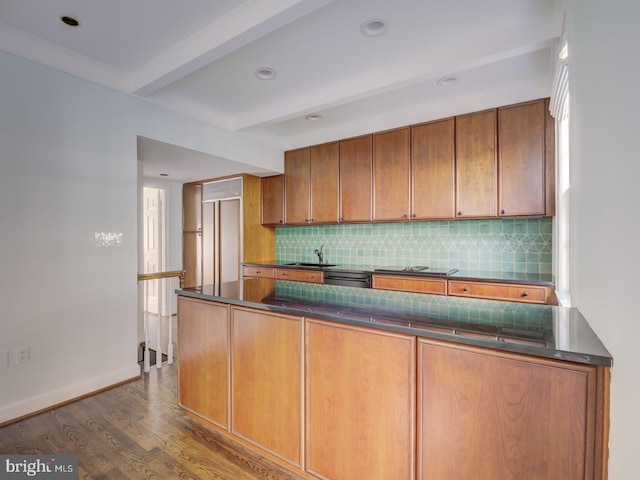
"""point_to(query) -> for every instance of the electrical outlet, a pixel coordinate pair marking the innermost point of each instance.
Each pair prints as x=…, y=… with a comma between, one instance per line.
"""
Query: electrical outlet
x=4, y=358
x=22, y=355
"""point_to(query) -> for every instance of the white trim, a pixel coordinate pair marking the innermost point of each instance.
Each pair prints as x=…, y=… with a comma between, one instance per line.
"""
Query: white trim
x=68, y=393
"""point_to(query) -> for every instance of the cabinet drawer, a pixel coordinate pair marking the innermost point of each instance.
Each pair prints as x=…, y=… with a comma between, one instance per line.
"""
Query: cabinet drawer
x=311, y=276
x=499, y=291
x=265, y=272
x=434, y=286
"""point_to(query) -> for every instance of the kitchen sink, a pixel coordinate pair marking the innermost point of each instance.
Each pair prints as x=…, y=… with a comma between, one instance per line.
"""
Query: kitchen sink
x=304, y=264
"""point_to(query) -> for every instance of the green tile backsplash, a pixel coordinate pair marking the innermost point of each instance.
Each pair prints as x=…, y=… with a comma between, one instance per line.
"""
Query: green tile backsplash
x=514, y=315
x=497, y=245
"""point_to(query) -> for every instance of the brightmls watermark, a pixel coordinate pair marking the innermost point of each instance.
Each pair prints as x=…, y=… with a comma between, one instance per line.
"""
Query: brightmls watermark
x=51, y=467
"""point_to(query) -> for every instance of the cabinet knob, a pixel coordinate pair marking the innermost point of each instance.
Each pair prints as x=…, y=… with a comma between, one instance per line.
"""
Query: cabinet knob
x=404, y=216
x=502, y=212
x=525, y=294
x=459, y=213
x=280, y=221
x=465, y=289
x=413, y=215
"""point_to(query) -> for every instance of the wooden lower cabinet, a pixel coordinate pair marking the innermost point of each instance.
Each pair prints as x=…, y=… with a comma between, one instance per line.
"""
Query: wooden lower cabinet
x=434, y=286
x=491, y=415
x=203, y=359
x=360, y=403
x=309, y=276
x=341, y=402
x=267, y=381
x=500, y=291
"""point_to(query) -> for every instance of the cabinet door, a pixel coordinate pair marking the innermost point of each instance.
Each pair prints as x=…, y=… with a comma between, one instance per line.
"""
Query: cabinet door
x=483, y=414
x=476, y=174
x=432, y=170
x=391, y=173
x=356, y=174
x=521, y=162
x=297, y=186
x=203, y=359
x=325, y=174
x=273, y=200
x=191, y=208
x=267, y=387
x=360, y=404
x=192, y=258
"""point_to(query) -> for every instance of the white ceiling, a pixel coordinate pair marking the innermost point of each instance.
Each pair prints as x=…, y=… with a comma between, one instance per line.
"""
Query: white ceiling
x=198, y=57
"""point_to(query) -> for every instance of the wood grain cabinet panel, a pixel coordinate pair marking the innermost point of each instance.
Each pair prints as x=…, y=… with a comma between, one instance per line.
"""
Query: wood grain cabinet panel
x=192, y=258
x=311, y=184
x=483, y=414
x=297, y=187
x=360, y=403
x=203, y=359
x=476, y=165
x=433, y=286
x=309, y=276
x=499, y=291
x=391, y=175
x=325, y=181
x=521, y=180
x=273, y=200
x=356, y=175
x=263, y=272
x=192, y=208
x=267, y=381
x=433, y=170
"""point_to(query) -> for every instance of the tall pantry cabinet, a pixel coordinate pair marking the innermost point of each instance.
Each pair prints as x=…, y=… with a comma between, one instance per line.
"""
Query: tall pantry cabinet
x=257, y=242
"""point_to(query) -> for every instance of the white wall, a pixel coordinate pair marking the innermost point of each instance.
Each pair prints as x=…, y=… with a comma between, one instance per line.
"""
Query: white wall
x=68, y=168
x=605, y=181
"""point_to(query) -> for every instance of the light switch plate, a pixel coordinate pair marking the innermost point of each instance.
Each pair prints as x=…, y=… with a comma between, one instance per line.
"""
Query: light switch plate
x=107, y=239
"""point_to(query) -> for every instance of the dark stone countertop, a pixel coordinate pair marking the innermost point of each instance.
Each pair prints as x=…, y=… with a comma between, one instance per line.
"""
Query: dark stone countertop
x=540, y=330
x=521, y=278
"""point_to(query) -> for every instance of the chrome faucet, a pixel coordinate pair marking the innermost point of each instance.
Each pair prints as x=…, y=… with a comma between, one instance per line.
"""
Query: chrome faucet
x=320, y=254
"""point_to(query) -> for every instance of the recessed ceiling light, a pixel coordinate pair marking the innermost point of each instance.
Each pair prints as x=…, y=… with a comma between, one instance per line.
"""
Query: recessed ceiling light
x=313, y=117
x=447, y=81
x=374, y=27
x=72, y=22
x=265, y=73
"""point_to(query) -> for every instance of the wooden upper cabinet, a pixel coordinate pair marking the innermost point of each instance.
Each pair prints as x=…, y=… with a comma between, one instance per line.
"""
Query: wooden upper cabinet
x=521, y=162
x=325, y=179
x=311, y=185
x=297, y=186
x=433, y=169
x=356, y=173
x=476, y=165
x=391, y=174
x=192, y=208
x=273, y=200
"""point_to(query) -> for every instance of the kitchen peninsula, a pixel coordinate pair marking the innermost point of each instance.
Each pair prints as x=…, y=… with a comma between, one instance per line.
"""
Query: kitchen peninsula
x=334, y=382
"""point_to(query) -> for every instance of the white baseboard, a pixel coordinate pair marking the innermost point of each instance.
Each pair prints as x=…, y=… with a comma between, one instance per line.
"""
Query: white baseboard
x=68, y=393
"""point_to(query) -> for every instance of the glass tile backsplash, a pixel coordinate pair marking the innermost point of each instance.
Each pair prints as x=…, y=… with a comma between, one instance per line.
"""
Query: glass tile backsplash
x=496, y=245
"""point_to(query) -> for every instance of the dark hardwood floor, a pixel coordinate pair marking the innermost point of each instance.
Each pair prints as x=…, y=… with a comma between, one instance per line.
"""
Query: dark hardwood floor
x=137, y=431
